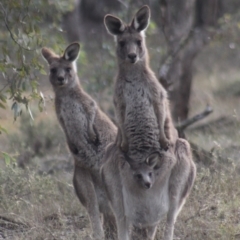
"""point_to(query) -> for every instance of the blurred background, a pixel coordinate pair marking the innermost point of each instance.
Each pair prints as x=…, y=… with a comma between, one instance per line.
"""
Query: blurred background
x=194, y=48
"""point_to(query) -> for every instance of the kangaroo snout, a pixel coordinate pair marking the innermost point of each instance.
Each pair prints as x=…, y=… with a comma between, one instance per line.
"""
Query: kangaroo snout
x=132, y=57
x=147, y=185
x=60, y=80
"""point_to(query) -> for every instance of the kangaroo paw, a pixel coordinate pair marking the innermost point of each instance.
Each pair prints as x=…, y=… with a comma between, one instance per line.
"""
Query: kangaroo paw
x=165, y=144
x=124, y=146
x=92, y=136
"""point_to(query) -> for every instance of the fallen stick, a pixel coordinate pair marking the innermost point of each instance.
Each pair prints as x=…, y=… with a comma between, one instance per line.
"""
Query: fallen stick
x=186, y=123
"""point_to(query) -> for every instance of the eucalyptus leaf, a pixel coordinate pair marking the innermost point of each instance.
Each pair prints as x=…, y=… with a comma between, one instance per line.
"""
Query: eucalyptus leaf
x=7, y=158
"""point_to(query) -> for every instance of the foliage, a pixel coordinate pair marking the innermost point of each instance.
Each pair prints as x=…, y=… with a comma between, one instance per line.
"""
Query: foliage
x=38, y=137
x=25, y=27
x=7, y=158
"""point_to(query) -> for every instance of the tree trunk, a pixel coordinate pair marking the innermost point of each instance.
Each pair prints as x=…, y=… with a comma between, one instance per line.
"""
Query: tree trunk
x=85, y=22
x=185, y=24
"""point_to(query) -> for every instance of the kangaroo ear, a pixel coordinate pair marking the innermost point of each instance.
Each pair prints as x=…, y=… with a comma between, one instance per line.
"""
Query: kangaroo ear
x=48, y=55
x=154, y=160
x=141, y=19
x=71, y=52
x=114, y=25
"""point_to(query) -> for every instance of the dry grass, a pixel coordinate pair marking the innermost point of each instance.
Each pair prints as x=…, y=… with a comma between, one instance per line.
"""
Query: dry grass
x=34, y=206
x=37, y=206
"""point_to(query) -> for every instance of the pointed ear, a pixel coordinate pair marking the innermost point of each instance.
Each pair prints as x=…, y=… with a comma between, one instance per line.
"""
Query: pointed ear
x=154, y=160
x=141, y=20
x=48, y=55
x=71, y=52
x=114, y=25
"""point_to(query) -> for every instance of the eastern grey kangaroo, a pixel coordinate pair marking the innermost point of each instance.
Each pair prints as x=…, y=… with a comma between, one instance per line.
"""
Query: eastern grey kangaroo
x=141, y=103
x=88, y=131
x=141, y=194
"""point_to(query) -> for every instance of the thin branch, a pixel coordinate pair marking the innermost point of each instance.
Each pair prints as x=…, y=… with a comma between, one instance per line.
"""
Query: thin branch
x=12, y=221
x=27, y=9
x=1, y=90
x=183, y=125
x=171, y=55
x=123, y=3
x=9, y=30
x=163, y=7
x=167, y=62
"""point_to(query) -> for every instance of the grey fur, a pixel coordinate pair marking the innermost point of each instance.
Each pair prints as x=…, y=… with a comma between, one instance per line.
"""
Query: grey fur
x=133, y=204
x=88, y=131
x=142, y=107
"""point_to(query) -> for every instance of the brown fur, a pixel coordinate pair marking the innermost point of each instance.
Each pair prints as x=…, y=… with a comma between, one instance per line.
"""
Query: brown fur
x=141, y=207
x=87, y=129
x=141, y=103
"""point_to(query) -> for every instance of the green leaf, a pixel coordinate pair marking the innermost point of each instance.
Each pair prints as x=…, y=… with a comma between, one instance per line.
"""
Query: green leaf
x=2, y=129
x=30, y=113
x=43, y=72
x=17, y=111
x=7, y=158
x=24, y=87
x=3, y=98
x=2, y=106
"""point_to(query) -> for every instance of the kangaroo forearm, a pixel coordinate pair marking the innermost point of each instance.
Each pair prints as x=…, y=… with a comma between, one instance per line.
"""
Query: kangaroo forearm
x=72, y=147
x=87, y=158
x=120, y=112
x=83, y=154
x=91, y=113
x=121, y=117
x=160, y=115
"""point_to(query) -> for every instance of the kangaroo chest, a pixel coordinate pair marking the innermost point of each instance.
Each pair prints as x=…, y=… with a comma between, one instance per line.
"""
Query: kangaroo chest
x=137, y=94
x=146, y=208
x=72, y=117
x=139, y=110
x=140, y=121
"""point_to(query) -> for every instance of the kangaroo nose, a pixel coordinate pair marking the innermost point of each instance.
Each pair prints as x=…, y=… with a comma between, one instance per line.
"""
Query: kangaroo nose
x=60, y=79
x=148, y=184
x=132, y=56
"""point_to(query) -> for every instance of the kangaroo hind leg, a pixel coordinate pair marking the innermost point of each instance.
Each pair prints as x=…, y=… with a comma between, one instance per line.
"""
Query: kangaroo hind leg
x=85, y=190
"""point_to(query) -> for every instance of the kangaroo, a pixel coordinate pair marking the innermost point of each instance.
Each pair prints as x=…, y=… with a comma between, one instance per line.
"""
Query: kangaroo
x=141, y=104
x=88, y=131
x=142, y=193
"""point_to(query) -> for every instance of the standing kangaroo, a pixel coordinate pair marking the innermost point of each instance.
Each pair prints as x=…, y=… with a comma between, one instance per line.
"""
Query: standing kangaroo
x=141, y=103
x=88, y=131
x=141, y=193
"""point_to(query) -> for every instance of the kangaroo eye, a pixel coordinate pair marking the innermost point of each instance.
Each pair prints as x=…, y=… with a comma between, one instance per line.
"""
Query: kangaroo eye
x=139, y=176
x=122, y=43
x=156, y=167
x=68, y=70
x=53, y=70
x=139, y=43
x=150, y=174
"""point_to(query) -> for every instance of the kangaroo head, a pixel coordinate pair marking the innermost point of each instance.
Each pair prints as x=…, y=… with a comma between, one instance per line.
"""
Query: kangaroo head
x=145, y=173
x=62, y=69
x=129, y=37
